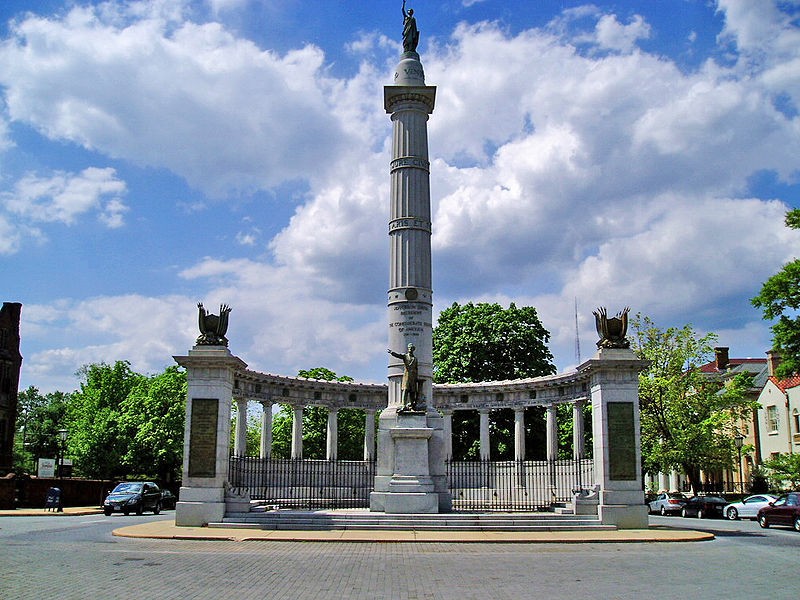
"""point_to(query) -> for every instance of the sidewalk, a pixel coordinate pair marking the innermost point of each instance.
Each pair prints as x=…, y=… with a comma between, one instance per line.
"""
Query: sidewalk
x=41, y=512
x=167, y=530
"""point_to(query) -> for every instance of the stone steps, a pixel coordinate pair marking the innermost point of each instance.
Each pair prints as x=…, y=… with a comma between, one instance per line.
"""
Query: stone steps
x=332, y=520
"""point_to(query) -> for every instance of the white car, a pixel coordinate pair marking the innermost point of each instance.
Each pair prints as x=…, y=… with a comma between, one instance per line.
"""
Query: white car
x=667, y=503
x=749, y=507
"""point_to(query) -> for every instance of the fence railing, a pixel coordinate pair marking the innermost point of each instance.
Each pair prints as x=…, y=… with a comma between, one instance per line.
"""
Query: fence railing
x=517, y=485
x=303, y=483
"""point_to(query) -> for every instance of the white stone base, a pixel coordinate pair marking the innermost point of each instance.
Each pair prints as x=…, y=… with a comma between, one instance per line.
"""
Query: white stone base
x=624, y=516
x=198, y=514
x=411, y=503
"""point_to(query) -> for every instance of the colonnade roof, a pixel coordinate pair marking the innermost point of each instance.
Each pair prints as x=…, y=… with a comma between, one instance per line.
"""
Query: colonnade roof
x=515, y=393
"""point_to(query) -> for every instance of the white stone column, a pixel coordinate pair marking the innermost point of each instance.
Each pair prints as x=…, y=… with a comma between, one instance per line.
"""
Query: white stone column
x=297, y=431
x=447, y=433
x=519, y=434
x=486, y=451
x=552, y=432
x=266, y=429
x=333, y=434
x=240, y=443
x=674, y=482
x=369, y=434
x=663, y=482
x=578, y=431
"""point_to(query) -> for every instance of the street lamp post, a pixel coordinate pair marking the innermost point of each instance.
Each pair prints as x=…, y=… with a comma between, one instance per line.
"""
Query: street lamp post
x=62, y=437
x=739, y=441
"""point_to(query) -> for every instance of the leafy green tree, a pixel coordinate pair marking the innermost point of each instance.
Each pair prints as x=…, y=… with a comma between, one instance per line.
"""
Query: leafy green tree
x=315, y=426
x=783, y=468
x=687, y=418
x=39, y=418
x=98, y=441
x=780, y=299
x=486, y=342
x=152, y=416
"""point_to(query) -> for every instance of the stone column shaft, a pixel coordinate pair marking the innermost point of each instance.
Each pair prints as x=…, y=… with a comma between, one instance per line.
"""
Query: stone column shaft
x=486, y=452
x=552, y=432
x=447, y=433
x=578, y=431
x=240, y=446
x=369, y=434
x=297, y=432
x=519, y=434
x=333, y=434
x=266, y=430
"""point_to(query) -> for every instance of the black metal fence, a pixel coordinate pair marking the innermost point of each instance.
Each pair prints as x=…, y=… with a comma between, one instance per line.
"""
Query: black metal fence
x=303, y=483
x=517, y=485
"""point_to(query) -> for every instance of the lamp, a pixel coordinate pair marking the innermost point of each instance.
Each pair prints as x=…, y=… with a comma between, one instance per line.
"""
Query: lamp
x=738, y=440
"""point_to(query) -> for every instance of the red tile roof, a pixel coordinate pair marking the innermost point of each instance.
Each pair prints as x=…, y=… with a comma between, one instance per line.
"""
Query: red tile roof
x=711, y=367
x=785, y=384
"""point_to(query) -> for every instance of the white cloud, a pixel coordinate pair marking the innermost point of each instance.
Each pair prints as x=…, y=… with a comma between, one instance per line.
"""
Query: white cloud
x=189, y=97
x=614, y=35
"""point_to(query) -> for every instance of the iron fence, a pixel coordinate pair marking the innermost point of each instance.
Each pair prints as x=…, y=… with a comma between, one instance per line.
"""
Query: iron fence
x=517, y=485
x=303, y=483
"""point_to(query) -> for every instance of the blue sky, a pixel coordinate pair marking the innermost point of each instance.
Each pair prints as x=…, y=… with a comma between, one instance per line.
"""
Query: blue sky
x=158, y=153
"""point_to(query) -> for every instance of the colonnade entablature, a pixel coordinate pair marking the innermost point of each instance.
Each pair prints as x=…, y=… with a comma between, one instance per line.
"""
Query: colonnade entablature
x=517, y=393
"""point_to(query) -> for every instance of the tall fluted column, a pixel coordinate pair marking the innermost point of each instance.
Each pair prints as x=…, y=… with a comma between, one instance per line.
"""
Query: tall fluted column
x=266, y=429
x=447, y=433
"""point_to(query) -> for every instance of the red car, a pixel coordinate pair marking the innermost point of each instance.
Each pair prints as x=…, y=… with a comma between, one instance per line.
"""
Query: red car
x=784, y=511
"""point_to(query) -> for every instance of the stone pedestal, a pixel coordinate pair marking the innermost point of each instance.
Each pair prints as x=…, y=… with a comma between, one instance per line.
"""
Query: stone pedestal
x=617, y=438
x=410, y=472
x=210, y=374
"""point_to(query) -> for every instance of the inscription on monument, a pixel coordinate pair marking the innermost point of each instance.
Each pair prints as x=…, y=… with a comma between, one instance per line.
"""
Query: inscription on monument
x=410, y=318
x=203, y=447
x=621, y=442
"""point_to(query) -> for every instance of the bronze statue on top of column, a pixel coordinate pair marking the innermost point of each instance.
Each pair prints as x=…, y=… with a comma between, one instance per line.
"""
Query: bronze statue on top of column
x=410, y=31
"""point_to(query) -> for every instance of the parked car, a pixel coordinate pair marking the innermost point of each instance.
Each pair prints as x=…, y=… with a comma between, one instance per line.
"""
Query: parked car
x=168, y=499
x=784, y=511
x=749, y=507
x=703, y=507
x=133, y=496
x=667, y=503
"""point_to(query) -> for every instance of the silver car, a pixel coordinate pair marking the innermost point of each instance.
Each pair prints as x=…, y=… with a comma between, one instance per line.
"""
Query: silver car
x=667, y=503
x=749, y=507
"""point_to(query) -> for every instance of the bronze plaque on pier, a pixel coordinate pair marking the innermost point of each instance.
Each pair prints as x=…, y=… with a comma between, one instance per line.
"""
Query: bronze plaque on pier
x=621, y=441
x=203, y=438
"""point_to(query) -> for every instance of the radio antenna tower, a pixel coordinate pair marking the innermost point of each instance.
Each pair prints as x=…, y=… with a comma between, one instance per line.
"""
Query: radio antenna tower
x=577, y=336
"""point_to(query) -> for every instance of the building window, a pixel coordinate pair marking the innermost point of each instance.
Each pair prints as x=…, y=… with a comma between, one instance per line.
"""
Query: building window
x=796, y=415
x=772, y=419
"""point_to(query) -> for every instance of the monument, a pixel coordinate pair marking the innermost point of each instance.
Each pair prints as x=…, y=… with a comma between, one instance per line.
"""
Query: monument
x=410, y=474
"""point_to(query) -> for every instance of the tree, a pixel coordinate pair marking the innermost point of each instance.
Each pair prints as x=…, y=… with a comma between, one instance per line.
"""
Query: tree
x=152, y=417
x=687, y=418
x=38, y=420
x=486, y=342
x=783, y=468
x=780, y=299
x=350, y=425
x=97, y=440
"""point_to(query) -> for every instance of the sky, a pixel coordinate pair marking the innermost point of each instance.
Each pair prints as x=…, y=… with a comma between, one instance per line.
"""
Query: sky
x=159, y=153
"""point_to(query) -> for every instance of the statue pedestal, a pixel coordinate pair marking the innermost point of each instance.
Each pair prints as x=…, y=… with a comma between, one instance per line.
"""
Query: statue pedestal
x=409, y=445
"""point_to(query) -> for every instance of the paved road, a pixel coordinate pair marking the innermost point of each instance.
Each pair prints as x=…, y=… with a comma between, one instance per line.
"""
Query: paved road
x=78, y=558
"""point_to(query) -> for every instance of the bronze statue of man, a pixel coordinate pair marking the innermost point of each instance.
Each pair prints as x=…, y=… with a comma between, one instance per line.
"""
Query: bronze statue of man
x=410, y=31
x=410, y=384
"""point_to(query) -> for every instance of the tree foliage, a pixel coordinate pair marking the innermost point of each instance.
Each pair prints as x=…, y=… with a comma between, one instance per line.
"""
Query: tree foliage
x=780, y=299
x=486, y=342
x=687, y=418
x=783, y=468
x=39, y=417
x=153, y=416
x=350, y=425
